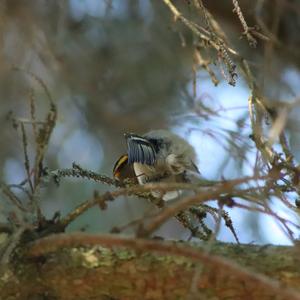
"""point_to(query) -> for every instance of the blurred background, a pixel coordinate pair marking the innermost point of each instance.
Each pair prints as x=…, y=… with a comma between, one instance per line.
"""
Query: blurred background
x=127, y=66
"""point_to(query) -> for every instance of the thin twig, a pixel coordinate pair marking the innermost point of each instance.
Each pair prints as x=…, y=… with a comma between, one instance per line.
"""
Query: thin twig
x=32, y=114
x=132, y=190
x=12, y=197
x=26, y=158
x=216, y=42
x=247, y=30
x=78, y=171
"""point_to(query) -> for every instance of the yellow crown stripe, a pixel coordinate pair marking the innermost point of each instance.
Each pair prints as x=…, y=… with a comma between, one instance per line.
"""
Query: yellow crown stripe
x=120, y=163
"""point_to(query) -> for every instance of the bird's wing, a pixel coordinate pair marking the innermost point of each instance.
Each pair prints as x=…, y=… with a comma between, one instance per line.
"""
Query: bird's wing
x=140, y=150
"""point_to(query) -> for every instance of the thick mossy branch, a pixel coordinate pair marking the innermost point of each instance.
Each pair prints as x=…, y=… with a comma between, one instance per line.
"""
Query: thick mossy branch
x=81, y=266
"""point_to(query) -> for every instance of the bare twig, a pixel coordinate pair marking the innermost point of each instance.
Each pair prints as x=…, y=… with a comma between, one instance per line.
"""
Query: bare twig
x=12, y=242
x=78, y=171
x=32, y=113
x=109, y=196
x=215, y=42
x=247, y=30
x=12, y=197
x=199, y=60
x=26, y=158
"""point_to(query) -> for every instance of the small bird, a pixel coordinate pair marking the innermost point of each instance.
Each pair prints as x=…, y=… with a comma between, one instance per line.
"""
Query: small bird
x=157, y=156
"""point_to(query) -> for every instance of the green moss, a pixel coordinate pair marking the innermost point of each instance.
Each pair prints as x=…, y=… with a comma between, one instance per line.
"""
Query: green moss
x=125, y=254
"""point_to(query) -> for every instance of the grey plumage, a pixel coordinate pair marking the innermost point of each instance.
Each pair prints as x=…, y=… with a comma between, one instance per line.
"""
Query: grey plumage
x=161, y=156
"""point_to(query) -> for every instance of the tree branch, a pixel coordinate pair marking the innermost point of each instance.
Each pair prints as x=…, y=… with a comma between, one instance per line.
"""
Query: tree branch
x=83, y=266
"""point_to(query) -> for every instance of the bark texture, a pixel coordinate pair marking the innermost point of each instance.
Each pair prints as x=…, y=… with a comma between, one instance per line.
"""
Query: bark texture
x=109, y=267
